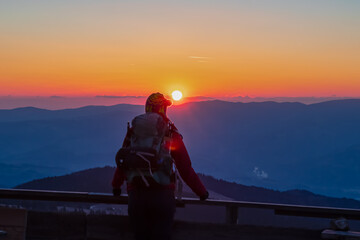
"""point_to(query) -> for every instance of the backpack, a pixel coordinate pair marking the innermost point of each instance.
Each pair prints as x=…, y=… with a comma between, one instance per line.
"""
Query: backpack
x=148, y=157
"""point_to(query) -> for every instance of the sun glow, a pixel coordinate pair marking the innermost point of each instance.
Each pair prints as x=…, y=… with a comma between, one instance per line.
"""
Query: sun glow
x=176, y=95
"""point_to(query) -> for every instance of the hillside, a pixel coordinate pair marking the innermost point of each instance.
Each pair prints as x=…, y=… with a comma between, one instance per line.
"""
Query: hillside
x=99, y=180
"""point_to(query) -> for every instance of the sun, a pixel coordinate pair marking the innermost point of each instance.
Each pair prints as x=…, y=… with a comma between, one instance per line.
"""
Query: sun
x=176, y=95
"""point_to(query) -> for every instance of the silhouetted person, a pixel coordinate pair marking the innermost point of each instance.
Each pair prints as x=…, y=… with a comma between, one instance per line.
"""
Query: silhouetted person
x=151, y=146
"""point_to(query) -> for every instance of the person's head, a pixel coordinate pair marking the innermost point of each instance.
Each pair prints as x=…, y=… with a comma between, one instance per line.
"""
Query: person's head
x=157, y=103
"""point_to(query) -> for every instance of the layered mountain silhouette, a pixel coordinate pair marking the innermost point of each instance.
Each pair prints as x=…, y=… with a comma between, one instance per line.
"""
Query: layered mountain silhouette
x=275, y=145
x=99, y=180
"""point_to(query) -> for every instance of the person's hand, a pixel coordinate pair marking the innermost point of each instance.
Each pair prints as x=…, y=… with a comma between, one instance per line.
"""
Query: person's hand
x=116, y=192
x=205, y=196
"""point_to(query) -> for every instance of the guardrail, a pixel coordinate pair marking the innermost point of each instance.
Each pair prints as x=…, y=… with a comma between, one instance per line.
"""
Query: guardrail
x=231, y=206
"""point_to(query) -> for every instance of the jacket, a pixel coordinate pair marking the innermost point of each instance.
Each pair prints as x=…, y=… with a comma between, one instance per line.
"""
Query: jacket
x=181, y=160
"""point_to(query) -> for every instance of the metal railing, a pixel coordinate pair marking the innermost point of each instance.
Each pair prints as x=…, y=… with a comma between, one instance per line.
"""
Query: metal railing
x=231, y=206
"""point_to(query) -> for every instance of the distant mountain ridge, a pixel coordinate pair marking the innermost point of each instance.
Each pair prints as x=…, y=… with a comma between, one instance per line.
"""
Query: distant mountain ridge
x=275, y=145
x=61, y=102
x=32, y=113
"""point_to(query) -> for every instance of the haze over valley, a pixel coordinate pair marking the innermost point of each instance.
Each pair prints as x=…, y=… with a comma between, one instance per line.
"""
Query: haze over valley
x=275, y=145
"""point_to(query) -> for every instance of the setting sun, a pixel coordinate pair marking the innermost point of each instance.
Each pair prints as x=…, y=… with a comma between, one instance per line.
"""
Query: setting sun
x=176, y=95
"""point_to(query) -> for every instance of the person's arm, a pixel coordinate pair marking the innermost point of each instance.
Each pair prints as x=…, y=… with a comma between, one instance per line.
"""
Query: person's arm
x=183, y=164
x=118, y=180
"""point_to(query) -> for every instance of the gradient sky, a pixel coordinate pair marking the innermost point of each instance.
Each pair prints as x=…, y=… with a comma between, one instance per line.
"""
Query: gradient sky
x=204, y=48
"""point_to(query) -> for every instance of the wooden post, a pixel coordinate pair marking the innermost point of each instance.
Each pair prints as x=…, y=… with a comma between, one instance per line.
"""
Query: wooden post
x=231, y=214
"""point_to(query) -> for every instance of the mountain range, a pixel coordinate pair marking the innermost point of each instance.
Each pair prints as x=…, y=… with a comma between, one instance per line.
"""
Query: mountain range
x=280, y=146
x=98, y=180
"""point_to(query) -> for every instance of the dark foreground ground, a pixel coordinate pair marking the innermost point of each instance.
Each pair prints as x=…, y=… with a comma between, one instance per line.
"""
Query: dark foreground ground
x=71, y=226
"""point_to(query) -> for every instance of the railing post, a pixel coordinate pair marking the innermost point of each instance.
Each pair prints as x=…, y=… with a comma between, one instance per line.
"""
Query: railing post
x=231, y=214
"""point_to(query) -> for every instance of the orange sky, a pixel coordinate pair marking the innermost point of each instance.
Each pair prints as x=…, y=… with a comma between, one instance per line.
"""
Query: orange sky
x=222, y=48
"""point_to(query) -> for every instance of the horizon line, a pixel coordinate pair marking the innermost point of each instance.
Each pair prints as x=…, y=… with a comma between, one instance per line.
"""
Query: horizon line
x=194, y=96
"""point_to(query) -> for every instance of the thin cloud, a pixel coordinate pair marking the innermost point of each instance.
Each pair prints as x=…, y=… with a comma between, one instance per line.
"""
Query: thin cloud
x=199, y=98
x=56, y=96
x=199, y=57
x=110, y=96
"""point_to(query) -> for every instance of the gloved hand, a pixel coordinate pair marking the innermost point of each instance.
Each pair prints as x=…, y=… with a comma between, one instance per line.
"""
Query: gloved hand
x=205, y=196
x=116, y=192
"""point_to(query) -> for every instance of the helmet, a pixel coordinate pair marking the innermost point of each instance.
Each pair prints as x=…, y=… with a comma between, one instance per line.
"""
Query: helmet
x=156, y=102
